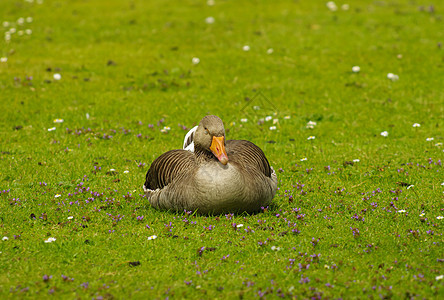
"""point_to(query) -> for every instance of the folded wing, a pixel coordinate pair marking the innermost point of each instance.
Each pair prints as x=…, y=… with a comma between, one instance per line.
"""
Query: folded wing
x=168, y=167
x=249, y=156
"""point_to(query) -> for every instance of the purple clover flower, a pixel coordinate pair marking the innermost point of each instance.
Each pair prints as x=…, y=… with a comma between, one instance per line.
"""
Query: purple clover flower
x=248, y=283
x=225, y=257
x=304, y=280
x=188, y=282
x=355, y=232
x=300, y=217
x=295, y=231
x=209, y=228
x=314, y=242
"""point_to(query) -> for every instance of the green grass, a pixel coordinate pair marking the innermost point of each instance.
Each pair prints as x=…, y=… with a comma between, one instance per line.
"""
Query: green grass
x=151, y=77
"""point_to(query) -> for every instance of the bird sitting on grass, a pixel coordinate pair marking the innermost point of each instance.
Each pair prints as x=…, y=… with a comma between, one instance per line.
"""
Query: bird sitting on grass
x=212, y=176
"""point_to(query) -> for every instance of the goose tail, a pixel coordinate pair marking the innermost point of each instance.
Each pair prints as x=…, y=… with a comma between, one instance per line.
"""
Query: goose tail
x=188, y=142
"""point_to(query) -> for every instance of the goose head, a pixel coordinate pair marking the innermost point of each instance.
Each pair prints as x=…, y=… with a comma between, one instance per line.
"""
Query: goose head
x=210, y=137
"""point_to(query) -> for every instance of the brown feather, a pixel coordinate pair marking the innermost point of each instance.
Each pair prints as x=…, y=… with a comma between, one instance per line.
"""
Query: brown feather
x=248, y=156
x=168, y=167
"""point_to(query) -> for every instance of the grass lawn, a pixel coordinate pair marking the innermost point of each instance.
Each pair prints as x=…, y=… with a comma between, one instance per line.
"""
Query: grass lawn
x=91, y=92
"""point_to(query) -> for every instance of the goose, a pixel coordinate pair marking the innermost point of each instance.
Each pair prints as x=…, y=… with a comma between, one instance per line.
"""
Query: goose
x=211, y=175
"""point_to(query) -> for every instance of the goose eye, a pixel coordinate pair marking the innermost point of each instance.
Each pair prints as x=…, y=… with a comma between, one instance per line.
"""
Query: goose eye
x=206, y=131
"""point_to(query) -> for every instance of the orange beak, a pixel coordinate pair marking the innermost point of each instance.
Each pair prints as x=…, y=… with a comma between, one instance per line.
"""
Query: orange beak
x=218, y=149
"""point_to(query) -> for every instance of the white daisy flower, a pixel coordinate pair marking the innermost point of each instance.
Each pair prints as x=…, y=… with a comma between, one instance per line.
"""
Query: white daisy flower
x=70, y=217
x=287, y=118
x=384, y=134
x=5, y=238
x=57, y=76
x=272, y=127
x=439, y=277
x=3, y=59
x=195, y=60
x=392, y=77
x=303, y=159
x=28, y=31
x=165, y=129
x=244, y=120
x=268, y=118
x=429, y=139
x=332, y=6
x=416, y=125
x=269, y=51
x=239, y=225
x=274, y=248
x=209, y=20
x=311, y=137
x=112, y=170
x=440, y=217
x=210, y=2
x=345, y=6
x=275, y=121
x=311, y=123
x=356, y=160
x=50, y=240
x=58, y=121
x=126, y=171
x=402, y=211
x=57, y=195
x=51, y=129
x=246, y=48
x=356, y=69
x=5, y=24
x=29, y=19
x=153, y=237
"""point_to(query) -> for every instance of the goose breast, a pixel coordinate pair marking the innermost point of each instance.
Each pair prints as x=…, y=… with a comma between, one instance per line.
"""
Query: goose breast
x=221, y=182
